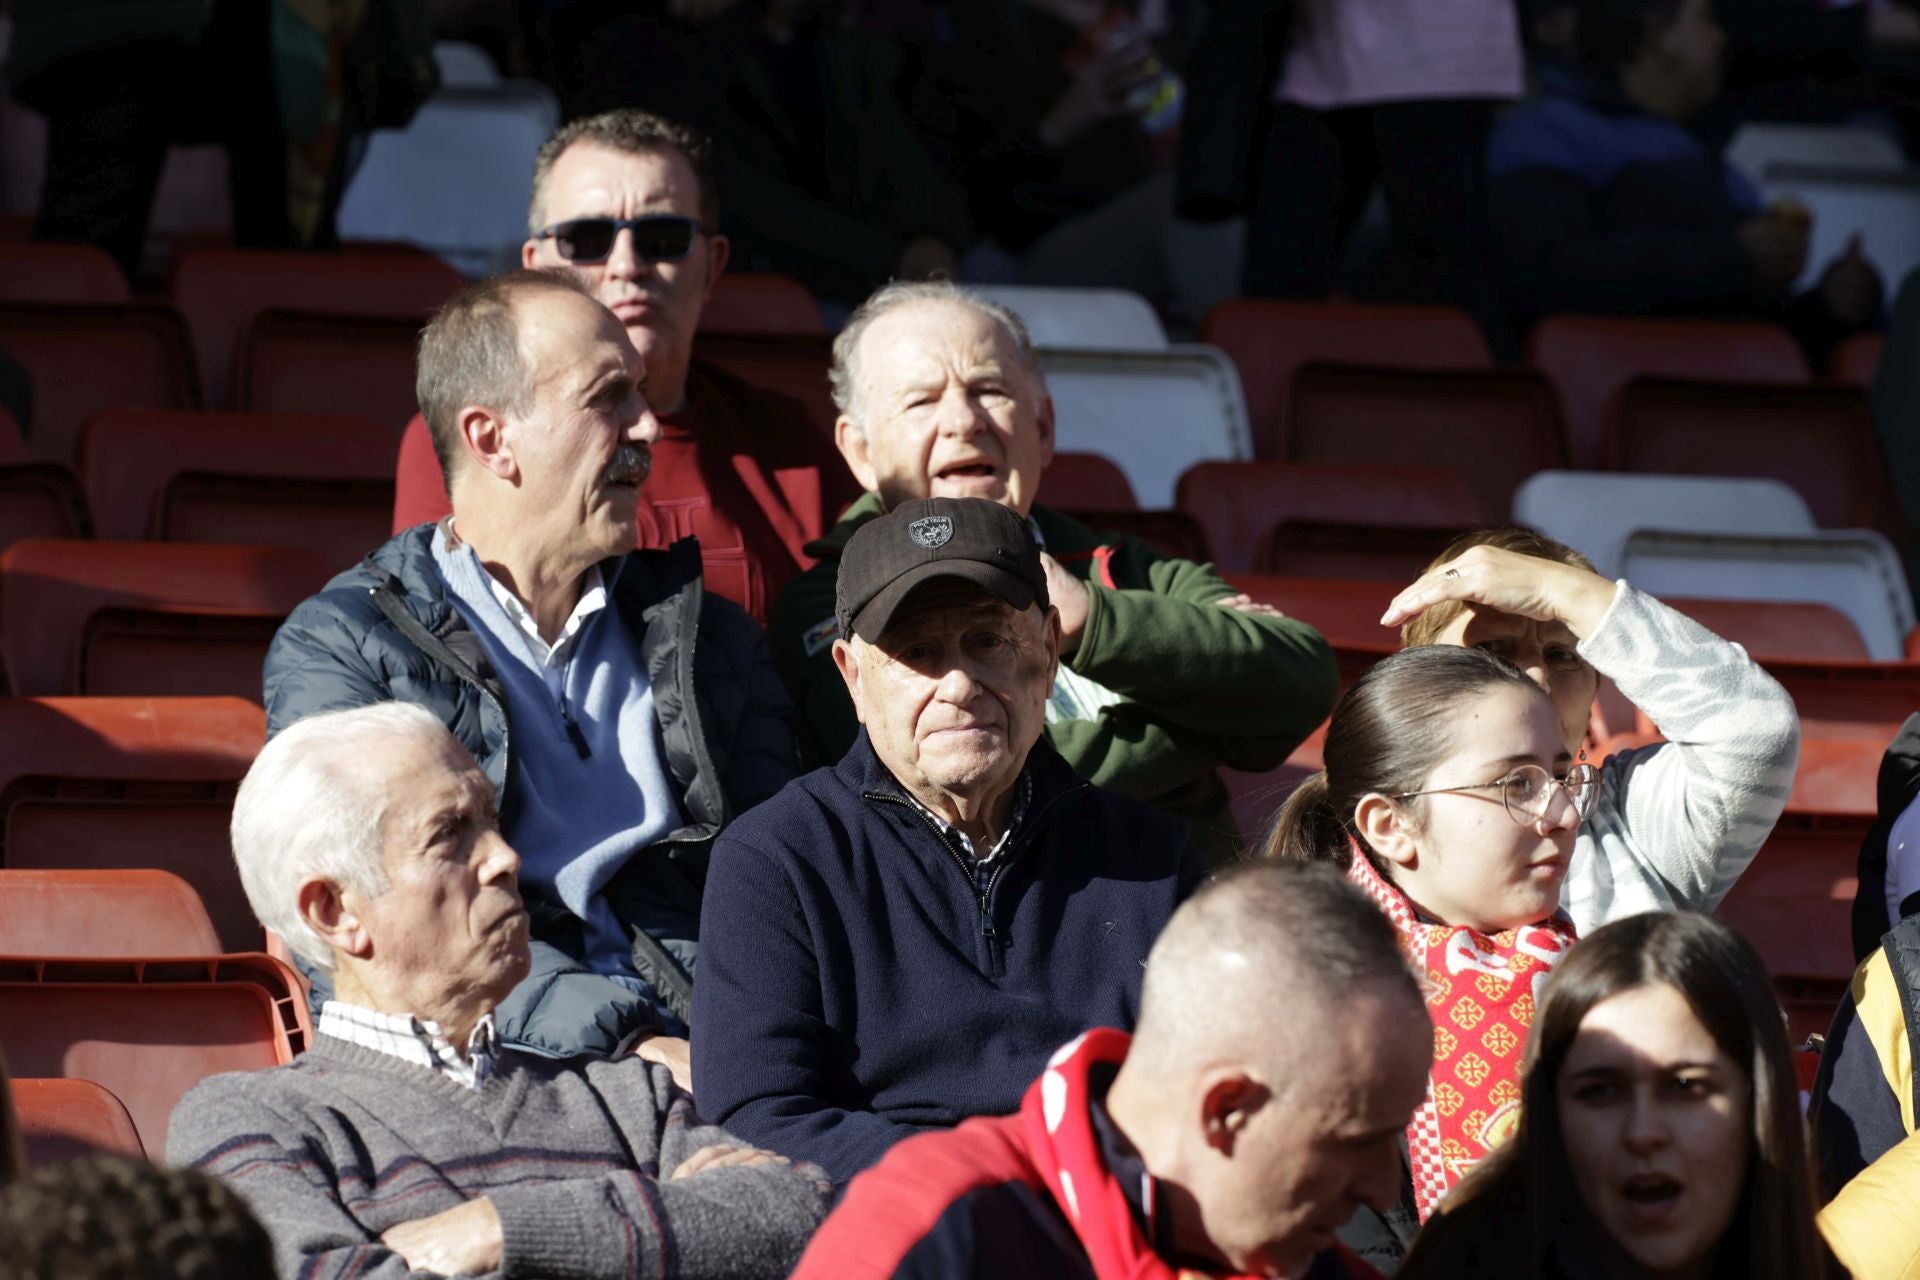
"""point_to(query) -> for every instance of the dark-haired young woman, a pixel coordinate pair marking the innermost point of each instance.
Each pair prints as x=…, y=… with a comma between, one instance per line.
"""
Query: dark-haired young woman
x=1449, y=796
x=1660, y=1131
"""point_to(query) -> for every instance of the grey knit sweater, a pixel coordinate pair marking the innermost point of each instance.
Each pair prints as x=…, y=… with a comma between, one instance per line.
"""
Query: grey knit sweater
x=577, y=1157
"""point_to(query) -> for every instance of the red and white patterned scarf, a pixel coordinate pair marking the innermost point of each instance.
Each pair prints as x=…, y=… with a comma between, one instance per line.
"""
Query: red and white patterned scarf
x=1481, y=991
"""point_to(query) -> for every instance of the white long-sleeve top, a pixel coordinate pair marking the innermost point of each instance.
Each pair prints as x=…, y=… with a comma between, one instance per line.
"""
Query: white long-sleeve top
x=1677, y=822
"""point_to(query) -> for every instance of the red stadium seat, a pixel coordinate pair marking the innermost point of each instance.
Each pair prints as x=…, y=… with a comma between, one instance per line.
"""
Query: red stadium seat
x=1324, y=520
x=325, y=483
x=136, y=911
x=1256, y=797
x=85, y=359
x=360, y=365
x=36, y=271
x=91, y=784
x=41, y=500
x=148, y=1030
x=1774, y=630
x=1855, y=361
x=1270, y=340
x=1171, y=533
x=1795, y=902
x=220, y=291
x=106, y=618
x=1588, y=358
x=1850, y=699
x=1086, y=482
x=419, y=485
x=1819, y=440
x=746, y=302
x=1493, y=429
x=794, y=364
x=62, y=1119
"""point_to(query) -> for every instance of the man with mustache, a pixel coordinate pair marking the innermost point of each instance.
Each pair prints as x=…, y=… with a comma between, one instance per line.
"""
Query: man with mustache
x=625, y=713
x=627, y=202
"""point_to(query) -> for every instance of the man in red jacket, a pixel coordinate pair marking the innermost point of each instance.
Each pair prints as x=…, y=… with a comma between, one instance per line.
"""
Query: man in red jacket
x=626, y=200
x=1257, y=1106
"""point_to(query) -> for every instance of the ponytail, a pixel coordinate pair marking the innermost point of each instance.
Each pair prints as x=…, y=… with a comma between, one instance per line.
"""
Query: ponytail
x=1309, y=828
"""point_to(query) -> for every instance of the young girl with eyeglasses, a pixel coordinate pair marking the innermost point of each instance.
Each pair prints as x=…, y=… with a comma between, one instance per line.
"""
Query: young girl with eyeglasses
x=1451, y=799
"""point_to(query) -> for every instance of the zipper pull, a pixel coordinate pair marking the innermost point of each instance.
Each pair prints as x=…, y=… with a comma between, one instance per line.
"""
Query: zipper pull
x=988, y=932
x=574, y=734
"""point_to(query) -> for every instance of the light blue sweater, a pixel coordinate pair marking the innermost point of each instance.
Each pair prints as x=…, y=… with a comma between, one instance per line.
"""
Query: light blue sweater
x=589, y=785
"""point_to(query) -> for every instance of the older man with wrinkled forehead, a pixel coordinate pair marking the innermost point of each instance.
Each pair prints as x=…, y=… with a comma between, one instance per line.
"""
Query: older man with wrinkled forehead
x=625, y=714
x=898, y=942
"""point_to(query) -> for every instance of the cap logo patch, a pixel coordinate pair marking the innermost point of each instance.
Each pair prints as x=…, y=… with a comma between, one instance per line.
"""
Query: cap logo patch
x=931, y=531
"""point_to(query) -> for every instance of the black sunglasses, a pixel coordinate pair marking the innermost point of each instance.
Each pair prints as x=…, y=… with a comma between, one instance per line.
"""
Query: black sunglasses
x=657, y=237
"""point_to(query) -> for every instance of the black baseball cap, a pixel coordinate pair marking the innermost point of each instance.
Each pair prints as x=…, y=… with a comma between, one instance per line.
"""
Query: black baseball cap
x=971, y=539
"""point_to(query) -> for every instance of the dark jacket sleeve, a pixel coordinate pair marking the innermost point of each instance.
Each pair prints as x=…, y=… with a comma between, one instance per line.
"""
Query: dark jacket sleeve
x=1856, y=1115
x=752, y=712
x=803, y=650
x=759, y=1022
x=316, y=663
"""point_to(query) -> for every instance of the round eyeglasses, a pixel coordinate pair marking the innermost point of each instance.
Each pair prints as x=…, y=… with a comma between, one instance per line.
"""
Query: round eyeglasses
x=1528, y=791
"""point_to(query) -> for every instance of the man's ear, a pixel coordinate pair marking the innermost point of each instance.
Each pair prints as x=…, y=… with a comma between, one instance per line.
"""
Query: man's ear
x=530, y=254
x=849, y=664
x=852, y=443
x=484, y=433
x=1229, y=1100
x=323, y=906
x=1050, y=629
x=719, y=250
x=1044, y=419
x=1384, y=826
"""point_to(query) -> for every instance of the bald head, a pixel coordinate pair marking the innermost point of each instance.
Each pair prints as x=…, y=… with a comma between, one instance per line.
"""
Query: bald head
x=1255, y=961
x=1282, y=1046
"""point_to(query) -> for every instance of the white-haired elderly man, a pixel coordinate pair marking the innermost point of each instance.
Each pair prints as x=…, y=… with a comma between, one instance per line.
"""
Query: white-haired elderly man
x=1166, y=673
x=405, y=1141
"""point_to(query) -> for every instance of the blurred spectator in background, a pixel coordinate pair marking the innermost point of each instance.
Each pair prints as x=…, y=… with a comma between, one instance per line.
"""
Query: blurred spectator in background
x=1331, y=95
x=826, y=179
x=1603, y=199
x=1896, y=402
x=1061, y=119
x=736, y=466
x=285, y=85
x=116, y=1218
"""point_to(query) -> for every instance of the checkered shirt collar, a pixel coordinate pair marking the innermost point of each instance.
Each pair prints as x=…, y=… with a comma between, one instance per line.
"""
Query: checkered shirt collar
x=403, y=1036
x=1023, y=796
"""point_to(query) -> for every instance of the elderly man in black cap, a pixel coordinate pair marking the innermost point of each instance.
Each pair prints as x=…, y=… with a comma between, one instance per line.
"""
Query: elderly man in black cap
x=899, y=942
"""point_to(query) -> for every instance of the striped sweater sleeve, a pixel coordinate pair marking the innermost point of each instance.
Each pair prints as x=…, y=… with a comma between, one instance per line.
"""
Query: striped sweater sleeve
x=1679, y=821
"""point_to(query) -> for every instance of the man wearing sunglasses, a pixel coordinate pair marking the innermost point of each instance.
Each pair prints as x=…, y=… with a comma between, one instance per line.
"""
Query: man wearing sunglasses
x=626, y=202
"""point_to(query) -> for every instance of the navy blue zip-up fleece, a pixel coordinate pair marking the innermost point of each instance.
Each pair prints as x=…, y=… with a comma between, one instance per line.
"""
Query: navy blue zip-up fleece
x=855, y=988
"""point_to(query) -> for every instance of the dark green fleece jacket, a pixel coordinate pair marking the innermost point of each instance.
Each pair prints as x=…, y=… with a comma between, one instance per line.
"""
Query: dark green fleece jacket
x=1204, y=687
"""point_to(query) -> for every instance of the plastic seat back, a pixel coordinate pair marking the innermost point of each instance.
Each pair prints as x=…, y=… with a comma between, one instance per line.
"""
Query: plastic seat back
x=1347, y=613
x=116, y=618
x=1795, y=902
x=1817, y=439
x=1269, y=341
x=1588, y=358
x=1262, y=515
x=92, y=784
x=220, y=291
x=1492, y=429
x=1096, y=319
x=148, y=1030
x=64, y=1119
x=136, y=911
x=746, y=303
x=41, y=500
x=1086, y=482
x=324, y=483
x=84, y=274
x=86, y=359
x=793, y=364
x=359, y=365
x=1773, y=630
x=1597, y=511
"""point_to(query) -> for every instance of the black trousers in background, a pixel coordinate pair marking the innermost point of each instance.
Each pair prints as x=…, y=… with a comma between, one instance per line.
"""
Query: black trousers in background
x=1316, y=170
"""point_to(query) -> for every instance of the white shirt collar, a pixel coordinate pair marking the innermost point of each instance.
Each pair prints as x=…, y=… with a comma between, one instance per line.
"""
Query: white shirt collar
x=404, y=1036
